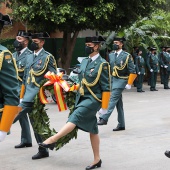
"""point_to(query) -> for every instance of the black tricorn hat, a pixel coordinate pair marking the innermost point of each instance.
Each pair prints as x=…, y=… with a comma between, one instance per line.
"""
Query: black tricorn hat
x=119, y=39
x=41, y=35
x=95, y=39
x=153, y=48
x=22, y=33
x=5, y=19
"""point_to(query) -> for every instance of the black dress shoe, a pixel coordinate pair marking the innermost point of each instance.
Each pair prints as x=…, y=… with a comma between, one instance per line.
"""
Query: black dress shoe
x=50, y=146
x=155, y=90
x=143, y=91
x=23, y=145
x=139, y=91
x=152, y=90
x=166, y=87
x=167, y=153
x=102, y=122
x=95, y=165
x=40, y=155
x=119, y=128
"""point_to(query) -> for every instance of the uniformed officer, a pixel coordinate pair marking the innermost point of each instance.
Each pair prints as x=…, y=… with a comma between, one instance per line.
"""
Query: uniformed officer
x=134, y=56
x=94, y=89
x=123, y=74
x=148, y=53
x=21, y=54
x=153, y=67
x=9, y=97
x=140, y=70
x=162, y=70
x=165, y=62
x=38, y=64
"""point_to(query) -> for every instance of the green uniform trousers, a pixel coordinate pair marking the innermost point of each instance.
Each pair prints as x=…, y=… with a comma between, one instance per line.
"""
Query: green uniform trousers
x=116, y=100
x=27, y=108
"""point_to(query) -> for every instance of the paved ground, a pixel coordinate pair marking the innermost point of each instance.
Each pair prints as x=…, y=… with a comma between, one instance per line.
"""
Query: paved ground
x=140, y=147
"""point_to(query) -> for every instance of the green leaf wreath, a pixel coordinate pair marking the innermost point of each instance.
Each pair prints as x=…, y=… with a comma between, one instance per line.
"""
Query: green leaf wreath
x=42, y=122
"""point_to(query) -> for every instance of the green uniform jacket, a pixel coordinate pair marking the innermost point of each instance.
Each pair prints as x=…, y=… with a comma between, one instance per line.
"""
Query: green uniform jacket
x=36, y=68
x=86, y=106
x=166, y=60
x=8, y=79
x=120, y=80
x=21, y=62
x=140, y=65
x=153, y=62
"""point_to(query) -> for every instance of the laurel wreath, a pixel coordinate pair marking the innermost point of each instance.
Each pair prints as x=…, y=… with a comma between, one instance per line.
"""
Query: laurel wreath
x=42, y=121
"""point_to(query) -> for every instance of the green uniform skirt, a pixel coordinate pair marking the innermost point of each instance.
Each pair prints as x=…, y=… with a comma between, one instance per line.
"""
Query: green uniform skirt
x=84, y=115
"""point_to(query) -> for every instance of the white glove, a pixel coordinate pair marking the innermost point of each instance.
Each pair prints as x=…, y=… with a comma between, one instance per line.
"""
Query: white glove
x=151, y=70
x=20, y=100
x=2, y=135
x=144, y=73
x=139, y=73
x=102, y=111
x=165, y=66
x=128, y=86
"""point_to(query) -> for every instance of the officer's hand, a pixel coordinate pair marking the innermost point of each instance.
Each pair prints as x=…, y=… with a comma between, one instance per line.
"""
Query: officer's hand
x=139, y=73
x=144, y=73
x=20, y=100
x=128, y=86
x=102, y=111
x=151, y=70
x=2, y=135
x=165, y=66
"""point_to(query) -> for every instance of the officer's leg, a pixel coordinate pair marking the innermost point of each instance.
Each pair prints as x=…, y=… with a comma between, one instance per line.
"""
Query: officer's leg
x=121, y=119
x=139, y=83
x=166, y=80
x=38, y=137
x=152, y=81
x=25, y=127
x=115, y=96
x=142, y=77
x=155, y=79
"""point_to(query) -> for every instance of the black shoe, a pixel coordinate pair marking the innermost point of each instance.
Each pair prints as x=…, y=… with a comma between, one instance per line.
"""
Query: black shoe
x=50, y=146
x=40, y=155
x=119, y=128
x=23, y=145
x=166, y=87
x=102, y=122
x=152, y=90
x=139, y=91
x=167, y=153
x=95, y=165
x=155, y=90
x=143, y=91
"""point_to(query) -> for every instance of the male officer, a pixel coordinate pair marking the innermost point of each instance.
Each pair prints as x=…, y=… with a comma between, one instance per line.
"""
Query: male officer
x=165, y=61
x=134, y=56
x=21, y=54
x=38, y=64
x=140, y=70
x=121, y=64
x=153, y=66
x=162, y=70
x=9, y=99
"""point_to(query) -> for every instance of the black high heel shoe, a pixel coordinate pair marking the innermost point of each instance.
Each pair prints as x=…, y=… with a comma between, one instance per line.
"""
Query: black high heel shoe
x=50, y=146
x=97, y=165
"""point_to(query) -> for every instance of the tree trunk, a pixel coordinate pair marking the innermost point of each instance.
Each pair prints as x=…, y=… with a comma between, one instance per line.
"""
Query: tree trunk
x=66, y=52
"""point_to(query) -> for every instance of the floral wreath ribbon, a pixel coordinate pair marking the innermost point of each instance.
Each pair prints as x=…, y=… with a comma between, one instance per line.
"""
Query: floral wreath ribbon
x=59, y=84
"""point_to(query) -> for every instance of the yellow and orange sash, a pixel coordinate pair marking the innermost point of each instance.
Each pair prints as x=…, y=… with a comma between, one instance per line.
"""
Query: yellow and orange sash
x=59, y=85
